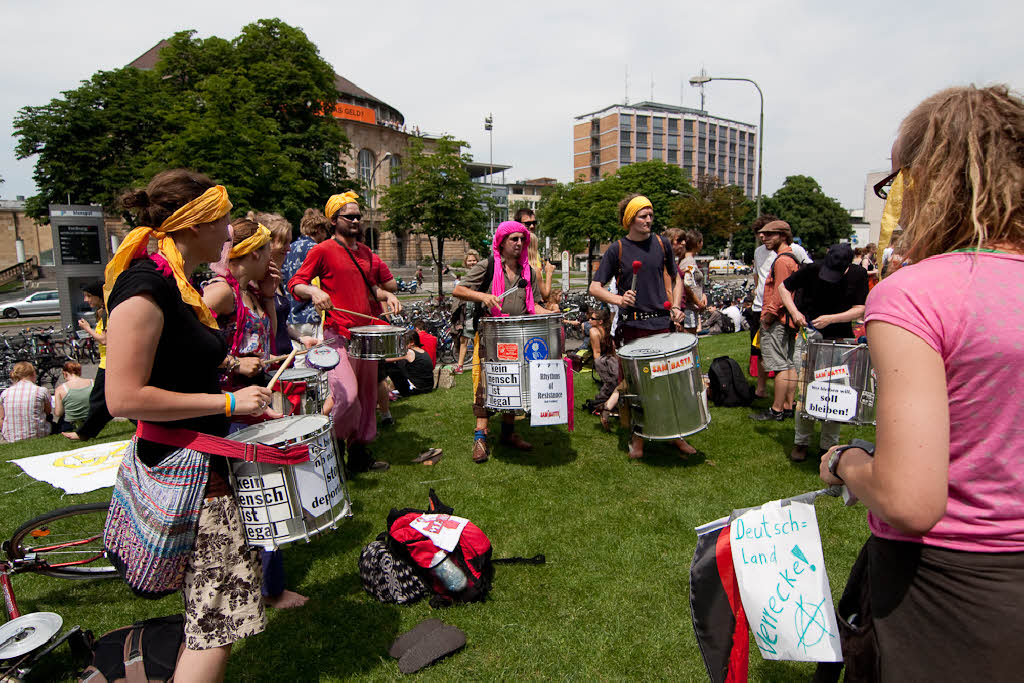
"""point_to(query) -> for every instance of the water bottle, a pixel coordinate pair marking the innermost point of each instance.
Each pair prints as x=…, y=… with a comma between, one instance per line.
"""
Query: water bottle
x=453, y=578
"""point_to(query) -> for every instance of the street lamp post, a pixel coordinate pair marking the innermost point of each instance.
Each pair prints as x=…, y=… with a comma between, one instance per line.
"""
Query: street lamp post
x=701, y=80
x=489, y=127
x=375, y=241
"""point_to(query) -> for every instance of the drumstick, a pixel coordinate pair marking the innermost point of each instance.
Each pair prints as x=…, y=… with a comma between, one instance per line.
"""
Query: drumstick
x=277, y=359
x=284, y=366
x=362, y=315
x=519, y=285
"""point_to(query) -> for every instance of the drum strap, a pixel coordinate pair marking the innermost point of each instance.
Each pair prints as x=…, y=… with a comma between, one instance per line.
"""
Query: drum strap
x=215, y=445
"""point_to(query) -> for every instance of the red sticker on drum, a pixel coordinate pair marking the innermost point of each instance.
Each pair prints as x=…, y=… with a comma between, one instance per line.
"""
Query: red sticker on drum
x=508, y=351
x=835, y=372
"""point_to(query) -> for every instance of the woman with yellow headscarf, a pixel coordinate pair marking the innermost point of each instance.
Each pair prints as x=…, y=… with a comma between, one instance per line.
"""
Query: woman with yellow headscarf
x=173, y=510
x=242, y=298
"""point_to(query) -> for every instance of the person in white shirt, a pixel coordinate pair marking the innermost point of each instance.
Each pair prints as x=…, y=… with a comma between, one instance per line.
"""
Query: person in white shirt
x=763, y=260
x=732, y=312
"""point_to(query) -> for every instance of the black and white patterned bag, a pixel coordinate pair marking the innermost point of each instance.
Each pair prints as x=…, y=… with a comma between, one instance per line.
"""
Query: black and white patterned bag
x=387, y=577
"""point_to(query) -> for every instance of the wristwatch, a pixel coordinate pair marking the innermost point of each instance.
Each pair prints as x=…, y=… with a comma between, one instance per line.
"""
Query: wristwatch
x=833, y=460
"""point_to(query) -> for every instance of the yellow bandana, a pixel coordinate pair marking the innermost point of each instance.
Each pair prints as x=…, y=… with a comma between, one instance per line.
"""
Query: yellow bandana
x=337, y=201
x=890, y=215
x=205, y=208
x=633, y=208
x=252, y=242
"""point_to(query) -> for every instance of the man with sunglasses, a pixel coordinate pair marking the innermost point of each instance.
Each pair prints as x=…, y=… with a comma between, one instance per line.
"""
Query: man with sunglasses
x=528, y=218
x=348, y=272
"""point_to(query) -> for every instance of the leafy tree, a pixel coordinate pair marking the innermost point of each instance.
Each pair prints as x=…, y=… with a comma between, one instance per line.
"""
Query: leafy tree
x=437, y=197
x=817, y=219
x=249, y=112
x=660, y=182
x=719, y=211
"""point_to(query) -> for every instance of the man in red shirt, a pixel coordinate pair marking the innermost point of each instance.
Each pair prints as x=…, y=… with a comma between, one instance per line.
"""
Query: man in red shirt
x=347, y=270
x=778, y=329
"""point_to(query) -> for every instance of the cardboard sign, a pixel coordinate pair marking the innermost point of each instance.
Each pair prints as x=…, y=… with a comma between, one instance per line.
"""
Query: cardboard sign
x=504, y=385
x=780, y=568
x=549, y=402
x=827, y=400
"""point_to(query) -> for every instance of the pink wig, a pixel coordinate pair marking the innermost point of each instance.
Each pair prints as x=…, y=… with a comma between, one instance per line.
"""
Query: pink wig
x=498, y=281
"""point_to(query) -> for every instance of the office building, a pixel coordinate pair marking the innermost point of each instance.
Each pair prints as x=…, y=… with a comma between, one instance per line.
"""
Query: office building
x=699, y=143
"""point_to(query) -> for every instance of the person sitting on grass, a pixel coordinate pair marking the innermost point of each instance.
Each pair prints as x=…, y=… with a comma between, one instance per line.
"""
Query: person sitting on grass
x=606, y=363
x=24, y=406
x=412, y=373
x=71, y=400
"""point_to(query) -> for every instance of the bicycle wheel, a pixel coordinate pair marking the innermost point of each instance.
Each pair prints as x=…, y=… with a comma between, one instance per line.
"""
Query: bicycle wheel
x=67, y=543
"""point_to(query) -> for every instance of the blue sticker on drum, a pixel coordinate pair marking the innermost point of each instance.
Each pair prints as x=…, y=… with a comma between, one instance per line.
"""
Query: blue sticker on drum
x=535, y=348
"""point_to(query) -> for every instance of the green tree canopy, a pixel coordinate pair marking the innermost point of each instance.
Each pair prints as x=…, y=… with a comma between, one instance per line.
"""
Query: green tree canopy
x=817, y=219
x=437, y=197
x=249, y=112
x=719, y=212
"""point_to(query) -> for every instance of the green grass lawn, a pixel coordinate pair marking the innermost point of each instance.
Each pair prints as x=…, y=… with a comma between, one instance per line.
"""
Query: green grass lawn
x=611, y=602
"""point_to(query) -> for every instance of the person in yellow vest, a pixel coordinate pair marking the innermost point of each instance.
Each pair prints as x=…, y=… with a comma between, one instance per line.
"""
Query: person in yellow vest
x=98, y=414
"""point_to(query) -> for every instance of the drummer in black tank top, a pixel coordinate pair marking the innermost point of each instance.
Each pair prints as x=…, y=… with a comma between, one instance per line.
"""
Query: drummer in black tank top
x=163, y=353
x=645, y=292
x=506, y=264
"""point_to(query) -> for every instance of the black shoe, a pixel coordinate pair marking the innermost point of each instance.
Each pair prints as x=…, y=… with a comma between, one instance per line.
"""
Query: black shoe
x=360, y=459
x=769, y=415
x=787, y=413
x=387, y=421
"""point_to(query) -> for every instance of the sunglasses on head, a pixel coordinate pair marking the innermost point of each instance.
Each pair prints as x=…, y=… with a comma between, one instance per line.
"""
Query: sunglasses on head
x=881, y=188
x=530, y=224
x=352, y=217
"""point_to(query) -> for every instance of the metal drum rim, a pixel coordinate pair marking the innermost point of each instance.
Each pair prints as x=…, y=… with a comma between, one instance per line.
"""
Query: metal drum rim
x=623, y=352
x=325, y=427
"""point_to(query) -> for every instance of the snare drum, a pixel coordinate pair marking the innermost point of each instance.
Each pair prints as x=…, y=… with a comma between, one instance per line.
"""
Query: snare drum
x=377, y=342
x=666, y=388
x=837, y=382
x=281, y=504
x=313, y=396
x=508, y=344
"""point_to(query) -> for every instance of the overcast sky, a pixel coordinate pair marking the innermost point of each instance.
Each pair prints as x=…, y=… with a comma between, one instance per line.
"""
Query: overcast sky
x=837, y=77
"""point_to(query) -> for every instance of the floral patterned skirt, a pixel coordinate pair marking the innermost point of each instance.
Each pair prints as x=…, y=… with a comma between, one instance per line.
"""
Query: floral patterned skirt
x=222, y=581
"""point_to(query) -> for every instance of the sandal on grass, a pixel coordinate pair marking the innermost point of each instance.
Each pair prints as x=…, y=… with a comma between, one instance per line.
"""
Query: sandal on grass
x=428, y=454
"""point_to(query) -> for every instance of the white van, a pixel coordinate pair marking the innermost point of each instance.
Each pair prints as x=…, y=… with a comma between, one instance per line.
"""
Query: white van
x=729, y=267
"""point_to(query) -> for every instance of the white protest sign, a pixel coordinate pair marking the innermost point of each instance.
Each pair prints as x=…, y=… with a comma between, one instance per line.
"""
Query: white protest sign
x=265, y=505
x=549, y=404
x=319, y=480
x=830, y=401
x=504, y=385
x=780, y=568
x=79, y=470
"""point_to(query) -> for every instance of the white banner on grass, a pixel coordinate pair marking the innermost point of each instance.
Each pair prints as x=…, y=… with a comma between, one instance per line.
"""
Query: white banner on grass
x=78, y=471
x=780, y=567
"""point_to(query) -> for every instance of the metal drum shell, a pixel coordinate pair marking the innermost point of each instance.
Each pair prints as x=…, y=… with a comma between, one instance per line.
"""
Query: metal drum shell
x=832, y=353
x=670, y=403
x=519, y=330
x=265, y=524
x=378, y=342
x=312, y=399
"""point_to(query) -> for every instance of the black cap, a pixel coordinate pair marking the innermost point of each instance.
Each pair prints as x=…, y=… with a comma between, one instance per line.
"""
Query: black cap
x=837, y=260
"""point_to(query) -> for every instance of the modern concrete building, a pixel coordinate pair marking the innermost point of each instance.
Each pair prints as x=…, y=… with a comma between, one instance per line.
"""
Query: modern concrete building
x=527, y=193
x=699, y=143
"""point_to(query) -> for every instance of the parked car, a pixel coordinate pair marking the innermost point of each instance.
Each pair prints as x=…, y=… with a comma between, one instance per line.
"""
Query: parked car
x=37, y=303
x=729, y=267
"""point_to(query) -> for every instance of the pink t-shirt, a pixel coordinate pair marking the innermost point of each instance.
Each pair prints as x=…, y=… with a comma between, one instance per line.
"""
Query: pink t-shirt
x=967, y=308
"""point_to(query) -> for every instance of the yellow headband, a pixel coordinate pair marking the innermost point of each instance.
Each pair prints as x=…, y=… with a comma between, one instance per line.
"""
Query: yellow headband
x=252, y=242
x=337, y=201
x=633, y=208
x=890, y=215
x=205, y=208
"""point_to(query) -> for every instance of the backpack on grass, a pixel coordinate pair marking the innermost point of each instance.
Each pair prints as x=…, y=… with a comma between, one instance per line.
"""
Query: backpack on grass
x=729, y=387
x=145, y=652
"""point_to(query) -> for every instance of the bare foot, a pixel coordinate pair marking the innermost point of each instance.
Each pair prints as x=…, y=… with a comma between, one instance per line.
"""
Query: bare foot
x=71, y=435
x=684, y=447
x=636, y=448
x=286, y=600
